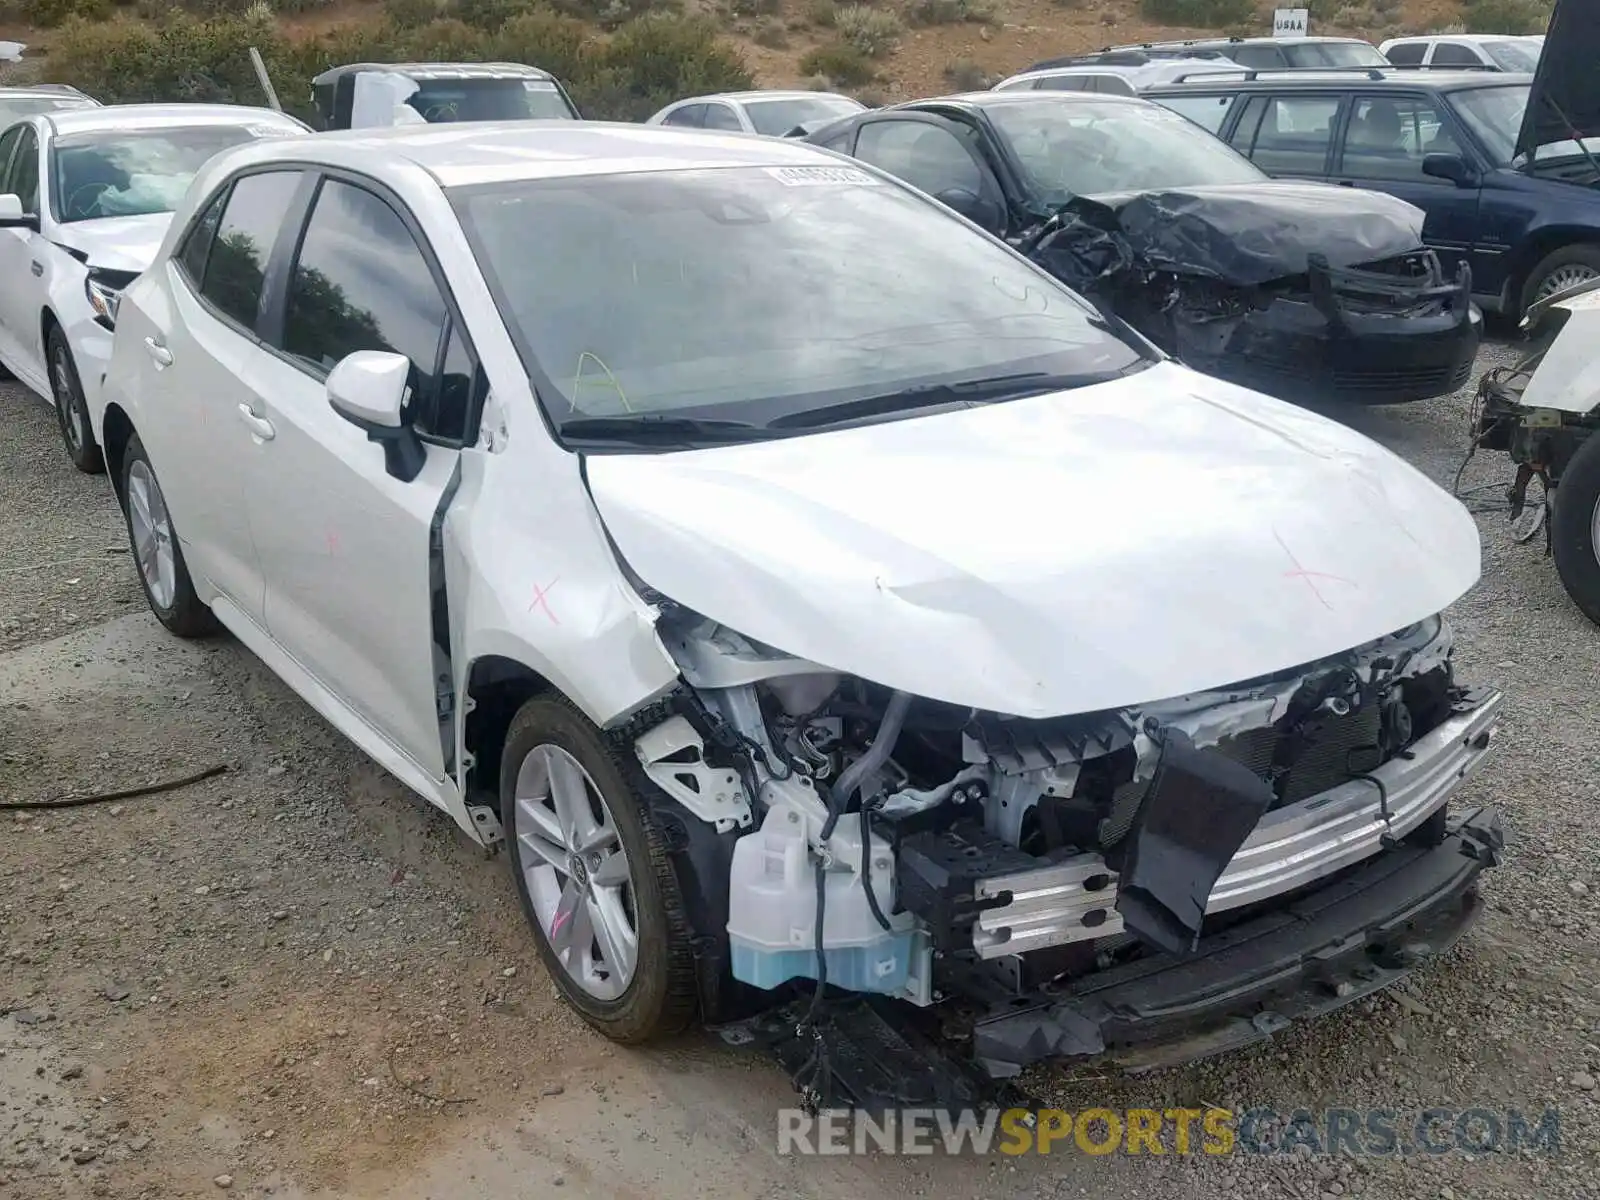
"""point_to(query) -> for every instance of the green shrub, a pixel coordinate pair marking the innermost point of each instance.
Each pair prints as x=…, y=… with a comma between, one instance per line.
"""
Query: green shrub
x=950, y=12
x=771, y=34
x=755, y=8
x=656, y=59
x=840, y=64
x=183, y=58
x=870, y=30
x=1505, y=16
x=561, y=45
x=966, y=76
x=410, y=14
x=822, y=12
x=47, y=14
x=609, y=14
x=1200, y=14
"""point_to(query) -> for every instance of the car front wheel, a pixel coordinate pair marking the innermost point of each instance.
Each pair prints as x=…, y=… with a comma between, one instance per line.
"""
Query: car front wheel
x=593, y=875
x=157, y=556
x=1565, y=267
x=1575, y=529
x=72, y=411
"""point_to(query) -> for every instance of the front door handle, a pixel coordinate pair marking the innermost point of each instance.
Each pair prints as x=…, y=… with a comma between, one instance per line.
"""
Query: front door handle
x=158, y=353
x=258, y=425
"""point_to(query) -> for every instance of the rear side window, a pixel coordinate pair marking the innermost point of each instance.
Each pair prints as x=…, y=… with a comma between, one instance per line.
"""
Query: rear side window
x=1208, y=112
x=690, y=116
x=1258, y=57
x=1408, y=54
x=1288, y=135
x=1064, y=83
x=1449, y=54
x=236, y=266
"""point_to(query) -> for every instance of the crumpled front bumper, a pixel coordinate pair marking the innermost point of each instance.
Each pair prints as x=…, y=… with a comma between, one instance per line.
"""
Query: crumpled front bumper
x=1326, y=344
x=1315, y=953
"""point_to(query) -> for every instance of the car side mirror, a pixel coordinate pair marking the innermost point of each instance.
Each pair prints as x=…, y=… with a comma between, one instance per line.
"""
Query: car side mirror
x=1450, y=166
x=12, y=216
x=983, y=213
x=370, y=388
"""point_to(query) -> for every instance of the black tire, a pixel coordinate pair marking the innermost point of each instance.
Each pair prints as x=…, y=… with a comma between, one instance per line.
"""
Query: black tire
x=1572, y=521
x=72, y=412
x=1579, y=254
x=185, y=616
x=660, y=999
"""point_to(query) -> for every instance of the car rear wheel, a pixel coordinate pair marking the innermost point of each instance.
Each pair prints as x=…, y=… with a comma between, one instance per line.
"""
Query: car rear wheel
x=72, y=411
x=593, y=875
x=1575, y=529
x=1562, y=268
x=157, y=556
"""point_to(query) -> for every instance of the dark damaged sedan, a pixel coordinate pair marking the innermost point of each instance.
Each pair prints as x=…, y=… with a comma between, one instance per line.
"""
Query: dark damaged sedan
x=1304, y=291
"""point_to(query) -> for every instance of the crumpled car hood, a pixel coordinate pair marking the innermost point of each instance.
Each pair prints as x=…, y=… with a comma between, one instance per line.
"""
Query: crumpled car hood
x=117, y=243
x=1248, y=234
x=1078, y=551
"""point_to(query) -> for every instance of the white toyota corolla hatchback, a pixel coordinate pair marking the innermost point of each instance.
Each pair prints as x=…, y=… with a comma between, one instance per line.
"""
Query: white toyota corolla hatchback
x=85, y=197
x=805, y=586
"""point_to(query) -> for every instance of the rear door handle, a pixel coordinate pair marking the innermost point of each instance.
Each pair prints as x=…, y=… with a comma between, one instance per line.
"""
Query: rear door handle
x=257, y=425
x=37, y=268
x=158, y=353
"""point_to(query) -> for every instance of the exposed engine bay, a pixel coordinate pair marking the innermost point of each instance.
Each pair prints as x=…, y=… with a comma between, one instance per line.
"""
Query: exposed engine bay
x=900, y=847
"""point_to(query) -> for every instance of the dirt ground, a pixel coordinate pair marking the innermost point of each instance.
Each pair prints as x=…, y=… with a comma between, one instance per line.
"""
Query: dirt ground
x=296, y=980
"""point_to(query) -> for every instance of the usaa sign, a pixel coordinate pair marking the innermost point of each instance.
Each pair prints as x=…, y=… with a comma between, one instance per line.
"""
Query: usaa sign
x=1291, y=22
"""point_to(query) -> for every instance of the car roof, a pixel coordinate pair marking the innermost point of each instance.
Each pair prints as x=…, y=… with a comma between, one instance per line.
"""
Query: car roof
x=999, y=99
x=1313, y=80
x=758, y=94
x=46, y=92
x=1123, y=70
x=157, y=116
x=1235, y=41
x=439, y=70
x=458, y=155
x=1471, y=39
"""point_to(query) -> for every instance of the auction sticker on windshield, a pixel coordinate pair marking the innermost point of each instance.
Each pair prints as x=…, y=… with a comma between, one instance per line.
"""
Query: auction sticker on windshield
x=812, y=176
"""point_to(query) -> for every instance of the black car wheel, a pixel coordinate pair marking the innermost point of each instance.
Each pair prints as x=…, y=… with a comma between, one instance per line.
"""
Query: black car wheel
x=72, y=412
x=1575, y=529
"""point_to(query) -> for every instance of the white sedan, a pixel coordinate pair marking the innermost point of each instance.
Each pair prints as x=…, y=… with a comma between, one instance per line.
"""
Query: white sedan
x=651, y=500
x=85, y=197
x=770, y=112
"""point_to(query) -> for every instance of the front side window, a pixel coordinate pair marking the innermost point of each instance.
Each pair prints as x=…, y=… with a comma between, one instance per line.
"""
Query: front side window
x=1208, y=112
x=197, y=243
x=789, y=289
x=236, y=265
x=1408, y=54
x=688, y=116
x=1087, y=147
x=925, y=155
x=133, y=172
x=1288, y=135
x=1259, y=58
x=24, y=182
x=777, y=117
x=1453, y=54
x=360, y=282
x=1333, y=54
x=1495, y=115
x=8, y=144
x=1388, y=138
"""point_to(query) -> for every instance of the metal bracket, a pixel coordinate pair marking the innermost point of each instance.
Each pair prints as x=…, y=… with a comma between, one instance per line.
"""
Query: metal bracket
x=673, y=757
x=487, y=823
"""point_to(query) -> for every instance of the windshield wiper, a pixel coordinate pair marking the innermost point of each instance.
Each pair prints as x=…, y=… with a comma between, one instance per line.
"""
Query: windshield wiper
x=937, y=395
x=658, y=429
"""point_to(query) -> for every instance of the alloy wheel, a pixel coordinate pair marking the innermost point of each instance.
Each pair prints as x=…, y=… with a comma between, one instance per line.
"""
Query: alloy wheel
x=151, y=526
x=576, y=872
x=1563, y=277
x=74, y=423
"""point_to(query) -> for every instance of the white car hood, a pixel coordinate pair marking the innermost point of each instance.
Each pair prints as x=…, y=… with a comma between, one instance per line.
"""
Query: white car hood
x=1124, y=543
x=117, y=243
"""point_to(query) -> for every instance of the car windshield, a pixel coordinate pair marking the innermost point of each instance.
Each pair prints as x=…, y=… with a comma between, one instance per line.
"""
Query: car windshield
x=1513, y=56
x=1076, y=146
x=131, y=172
x=442, y=100
x=1333, y=54
x=756, y=294
x=777, y=117
x=19, y=108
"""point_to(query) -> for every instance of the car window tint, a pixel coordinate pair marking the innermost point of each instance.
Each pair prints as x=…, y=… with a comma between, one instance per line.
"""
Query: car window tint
x=1208, y=112
x=1449, y=54
x=1257, y=57
x=8, y=143
x=1063, y=83
x=1294, y=133
x=25, y=171
x=689, y=116
x=1408, y=54
x=360, y=282
x=1387, y=138
x=236, y=266
x=720, y=116
x=197, y=242
x=925, y=156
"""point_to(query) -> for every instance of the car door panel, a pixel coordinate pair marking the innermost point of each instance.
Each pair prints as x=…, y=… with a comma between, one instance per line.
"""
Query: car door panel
x=23, y=256
x=204, y=346
x=1370, y=158
x=344, y=545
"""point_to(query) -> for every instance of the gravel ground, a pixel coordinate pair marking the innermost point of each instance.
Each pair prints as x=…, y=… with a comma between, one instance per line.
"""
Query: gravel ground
x=296, y=980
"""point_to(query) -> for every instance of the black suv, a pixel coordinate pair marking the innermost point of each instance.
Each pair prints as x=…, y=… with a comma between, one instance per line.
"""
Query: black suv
x=1454, y=143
